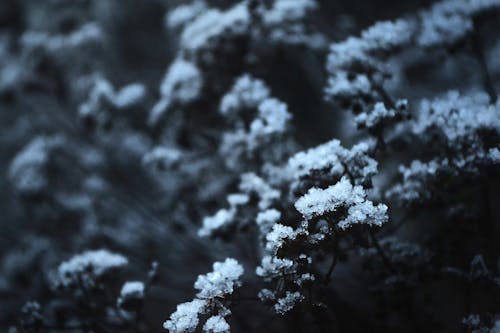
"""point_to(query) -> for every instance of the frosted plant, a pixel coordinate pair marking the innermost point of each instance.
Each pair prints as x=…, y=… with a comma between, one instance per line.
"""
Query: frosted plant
x=28, y=169
x=246, y=93
x=331, y=160
x=222, y=281
x=224, y=218
x=215, y=288
x=216, y=324
x=162, y=158
x=182, y=84
x=86, y=268
x=416, y=179
x=448, y=22
x=185, y=318
x=256, y=119
x=319, y=203
x=104, y=102
x=267, y=219
x=252, y=184
x=459, y=122
x=131, y=294
x=380, y=116
x=358, y=70
x=182, y=14
x=90, y=33
x=212, y=24
x=288, y=302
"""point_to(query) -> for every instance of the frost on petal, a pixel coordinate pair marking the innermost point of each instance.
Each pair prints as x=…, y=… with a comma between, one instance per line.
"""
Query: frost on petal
x=319, y=202
x=375, y=117
x=246, y=93
x=184, y=13
x=385, y=35
x=221, y=281
x=212, y=24
x=89, y=265
x=27, y=169
x=182, y=84
x=341, y=85
x=185, y=318
x=286, y=10
x=334, y=160
x=272, y=267
x=216, y=324
x=444, y=23
x=278, y=235
x=457, y=116
x=131, y=295
x=266, y=219
x=287, y=303
x=252, y=184
x=221, y=219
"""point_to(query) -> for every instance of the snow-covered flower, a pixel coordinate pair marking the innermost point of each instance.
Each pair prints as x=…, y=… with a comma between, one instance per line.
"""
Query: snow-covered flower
x=222, y=281
x=87, y=267
x=185, y=318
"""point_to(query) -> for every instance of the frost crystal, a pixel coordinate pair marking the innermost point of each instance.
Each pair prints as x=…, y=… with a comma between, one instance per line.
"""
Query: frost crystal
x=386, y=35
x=221, y=219
x=224, y=217
x=213, y=23
x=216, y=324
x=286, y=10
x=185, y=318
x=318, y=202
x=27, y=170
x=266, y=219
x=272, y=267
x=253, y=184
x=374, y=118
x=457, y=116
x=221, y=281
x=288, y=302
x=278, y=235
x=86, y=34
x=246, y=93
x=131, y=295
x=182, y=14
x=335, y=160
x=134, y=289
x=182, y=84
x=86, y=267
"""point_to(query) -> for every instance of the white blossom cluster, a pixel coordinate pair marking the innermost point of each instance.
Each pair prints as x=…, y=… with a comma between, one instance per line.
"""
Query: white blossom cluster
x=331, y=160
x=27, y=171
x=250, y=186
x=59, y=44
x=84, y=270
x=131, y=293
x=214, y=287
x=181, y=85
x=448, y=21
x=250, y=98
x=358, y=66
x=321, y=202
x=205, y=30
x=458, y=122
x=103, y=101
x=354, y=63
